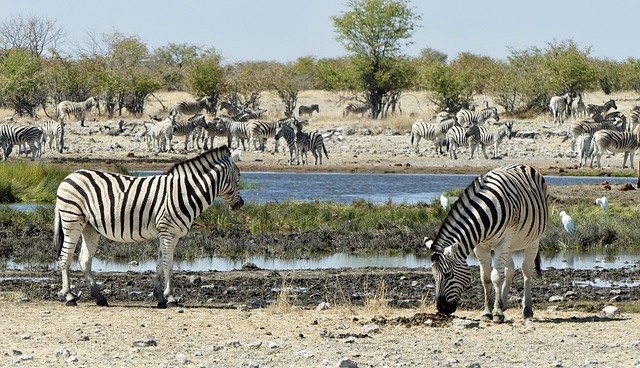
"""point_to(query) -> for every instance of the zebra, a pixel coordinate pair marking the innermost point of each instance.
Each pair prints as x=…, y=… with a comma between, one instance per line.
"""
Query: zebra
x=159, y=134
x=495, y=136
x=578, y=108
x=11, y=135
x=590, y=127
x=585, y=148
x=187, y=129
x=67, y=108
x=192, y=107
x=466, y=117
x=560, y=106
x=431, y=132
x=127, y=209
x=284, y=130
x=308, y=109
x=614, y=141
x=634, y=118
x=237, y=130
x=52, y=131
x=356, y=109
x=260, y=131
x=211, y=130
x=306, y=142
x=458, y=136
x=601, y=109
x=502, y=211
x=231, y=108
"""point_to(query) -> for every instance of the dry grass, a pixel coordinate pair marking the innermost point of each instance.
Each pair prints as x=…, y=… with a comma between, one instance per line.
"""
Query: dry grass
x=378, y=302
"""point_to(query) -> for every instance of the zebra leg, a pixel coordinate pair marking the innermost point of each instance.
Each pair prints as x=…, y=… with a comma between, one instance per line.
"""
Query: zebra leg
x=502, y=259
x=484, y=258
x=510, y=270
x=71, y=237
x=315, y=156
x=484, y=152
x=631, y=154
x=164, y=270
x=90, y=239
x=528, y=269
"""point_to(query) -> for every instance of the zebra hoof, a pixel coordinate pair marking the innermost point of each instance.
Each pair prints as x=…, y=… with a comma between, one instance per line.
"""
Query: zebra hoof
x=162, y=305
x=487, y=317
x=174, y=304
x=71, y=303
x=102, y=302
x=498, y=318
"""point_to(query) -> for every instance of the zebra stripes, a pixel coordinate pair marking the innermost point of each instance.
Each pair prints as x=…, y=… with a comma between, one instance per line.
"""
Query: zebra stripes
x=260, y=131
x=11, y=135
x=127, y=209
x=430, y=131
x=458, y=136
x=591, y=127
x=560, y=106
x=67, y=108
x=356, y=109
x=192, y=107
x=494, y=136
x=467, y=117
x=585, y=148
x=53, y=132
x=306, y=142
x=601, y=109
x=578, y=108
x=287, y=132
x=159, y=134
x=308, y=110
x=502, y=211
x=614, y=142
x=238, y=130
x=187, y=128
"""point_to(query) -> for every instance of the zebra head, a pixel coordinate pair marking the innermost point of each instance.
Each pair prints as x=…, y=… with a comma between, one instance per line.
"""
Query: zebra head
x=508, y=125
x=229, y=179
x=451, y=276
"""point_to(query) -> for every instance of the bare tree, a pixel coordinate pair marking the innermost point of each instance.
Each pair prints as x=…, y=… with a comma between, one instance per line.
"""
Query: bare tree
x=30, y=33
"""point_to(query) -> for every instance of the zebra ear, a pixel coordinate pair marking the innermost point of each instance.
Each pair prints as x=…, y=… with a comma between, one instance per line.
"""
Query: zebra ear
x=452, y=249
x=235, y=155
x=428, y=242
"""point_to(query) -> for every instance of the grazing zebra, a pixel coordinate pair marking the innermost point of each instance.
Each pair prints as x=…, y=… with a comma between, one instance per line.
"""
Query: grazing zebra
x=458, y=136
x=238, y=130
x=67, y=108
x=431, y=132
x=231, y=109
x=495, y=136
x=578, y=108
x=585, y=148
x=127, y=209
x=590, y=127
x=466, y=117
x=502, y=211
x=306, y=142
x=187, y=129
x=11, y=135
x=560, y=106
x=192, y=107
x=308, y=109
x=614, y=141
x=601, y=109
x=284, y=130
x=53, y=132
x=356, y=109
x=260, y=131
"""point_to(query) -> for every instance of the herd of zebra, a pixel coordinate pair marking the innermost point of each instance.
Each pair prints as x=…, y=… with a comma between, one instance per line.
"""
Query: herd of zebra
x=465, y=128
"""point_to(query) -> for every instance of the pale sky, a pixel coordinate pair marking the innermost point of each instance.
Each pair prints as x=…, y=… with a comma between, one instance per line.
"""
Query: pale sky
x=283, y=30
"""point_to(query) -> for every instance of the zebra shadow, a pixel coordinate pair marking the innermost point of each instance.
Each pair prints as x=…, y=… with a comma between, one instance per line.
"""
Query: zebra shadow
x=585, y=319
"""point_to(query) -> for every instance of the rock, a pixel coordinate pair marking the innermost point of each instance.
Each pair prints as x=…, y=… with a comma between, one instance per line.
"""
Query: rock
x=255, y=345
x=472, y=365
x=145, y=343
x=347, y=363
x=182, y=359
x=273, y=345
x=610, y=310
x=464, y=323
x=232, y=343
x=195, y=280
x=371, y=329
x=556, y=299
x=323, y=306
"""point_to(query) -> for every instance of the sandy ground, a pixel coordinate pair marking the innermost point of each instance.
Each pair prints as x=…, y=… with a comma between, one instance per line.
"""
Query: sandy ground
x=126, y=336
x=37, y=333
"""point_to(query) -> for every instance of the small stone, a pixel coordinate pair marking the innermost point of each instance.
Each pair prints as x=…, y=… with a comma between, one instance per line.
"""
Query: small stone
x=273, y=345
x=195, y=279
x=556, y=299
x=347, y=363
x=145, y=343
x=25, y=337
x=255, y=345
x=610, y=310
x=464, y=323
x=72, y=359
x=232, y=343
x=182, y=359
x=323, y=306
x=371, y=328
x=22, y=358
x=472, y=365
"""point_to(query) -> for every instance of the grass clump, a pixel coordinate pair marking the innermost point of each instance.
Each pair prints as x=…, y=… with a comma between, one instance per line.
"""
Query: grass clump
x=22, y=181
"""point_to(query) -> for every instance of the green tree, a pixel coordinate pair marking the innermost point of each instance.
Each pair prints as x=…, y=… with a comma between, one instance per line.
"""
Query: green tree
x=205, y=76
x=21, y=80
x=374, y=32
x=290, y=80
x=570, y=69
x=170, y=61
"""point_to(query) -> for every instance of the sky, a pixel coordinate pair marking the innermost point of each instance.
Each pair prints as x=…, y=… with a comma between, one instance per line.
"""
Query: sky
x=284, y=30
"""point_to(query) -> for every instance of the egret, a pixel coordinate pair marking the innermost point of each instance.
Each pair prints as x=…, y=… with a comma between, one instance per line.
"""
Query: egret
x=604, y=203
x=567, y=222
x=444, y=201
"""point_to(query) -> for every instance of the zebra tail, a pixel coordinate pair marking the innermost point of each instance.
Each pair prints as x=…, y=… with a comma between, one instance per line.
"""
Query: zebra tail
x=58, y=236
x=412, y=138
x=325, y=151
x=538, y=264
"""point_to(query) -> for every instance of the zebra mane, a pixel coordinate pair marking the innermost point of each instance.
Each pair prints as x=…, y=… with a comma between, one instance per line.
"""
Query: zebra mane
x=215, y=154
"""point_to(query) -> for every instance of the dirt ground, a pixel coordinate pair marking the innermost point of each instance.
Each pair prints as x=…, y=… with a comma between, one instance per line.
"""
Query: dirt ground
x=36, y=331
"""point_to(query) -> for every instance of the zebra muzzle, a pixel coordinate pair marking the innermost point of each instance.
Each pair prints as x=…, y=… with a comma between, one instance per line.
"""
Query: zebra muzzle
x=446, y=307
x=237, y=204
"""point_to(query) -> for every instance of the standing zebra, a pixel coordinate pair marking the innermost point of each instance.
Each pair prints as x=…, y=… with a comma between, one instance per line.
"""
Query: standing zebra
x=192, y=107
x=431, y=132
x=260, y=131
x=187, y=129
x=588, y=126
x=52, y=131
x=11, y=135
x=614, y=141
x=601, y=109
x=585, y=148
x=495, y=136
x=458, y=136
x=230, y=108
x=356, y=109
x=578, y=108
x=67, y=108
x=502, y=211
x=211, y=130
x=127, y=209
x=238, y=130
x=284, y=130
x=560, y=106
x=466, y=117
x=308, y=109
x=159, y=134
x=306, y=142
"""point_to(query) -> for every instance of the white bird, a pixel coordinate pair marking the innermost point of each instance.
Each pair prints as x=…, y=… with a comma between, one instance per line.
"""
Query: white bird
x=604, y=203
x=444, y=201
x=567, y=222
